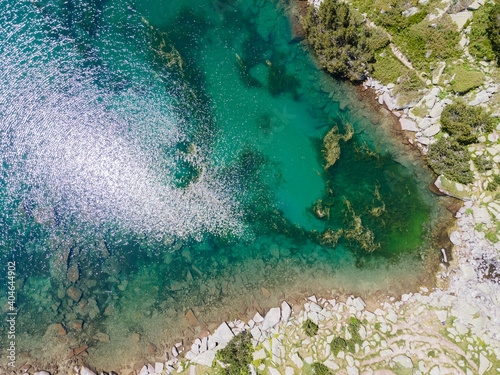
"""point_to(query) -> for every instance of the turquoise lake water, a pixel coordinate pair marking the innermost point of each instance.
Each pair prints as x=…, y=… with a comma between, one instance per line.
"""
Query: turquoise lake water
x=163, y=156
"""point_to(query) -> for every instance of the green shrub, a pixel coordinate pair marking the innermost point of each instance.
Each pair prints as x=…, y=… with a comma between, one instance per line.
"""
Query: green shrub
x=387, y=68
x=465, y=123
x=427, y=42
x=483, y=163
x=451, y=159
x=409, y=86
x=378, y=39
x=493, y=185
x=320, y=369
x=465, y=80
x=479, y=42
x=337, y=345
x=237, y=354
x=340, y=39
x=493, y=29
x=310, y=328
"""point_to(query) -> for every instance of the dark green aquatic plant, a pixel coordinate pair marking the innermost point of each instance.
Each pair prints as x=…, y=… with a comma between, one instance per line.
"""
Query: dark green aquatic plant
x=237, y=354
x=310, y=328
x=340, y=39
x=331, y=146
x=464, y=123
x=451, y=159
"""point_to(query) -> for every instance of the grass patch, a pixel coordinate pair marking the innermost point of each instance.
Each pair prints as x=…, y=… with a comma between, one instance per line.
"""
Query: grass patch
x=465, y=79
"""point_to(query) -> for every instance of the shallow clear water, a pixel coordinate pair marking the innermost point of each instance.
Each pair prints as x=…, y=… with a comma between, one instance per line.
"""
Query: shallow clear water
x=168, y=155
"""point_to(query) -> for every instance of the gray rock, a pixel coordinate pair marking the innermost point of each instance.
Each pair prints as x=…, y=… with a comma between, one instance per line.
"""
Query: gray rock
x=435, y=371
x=481, y=97
x=359, y=304
x=467, y=272
x=432, y=130
x=455, y=238
x=392, y=316
x=221, y=336
x=436, y=110
x=286, y=311
x=297, y=360
x=256, y=333
x=410, y=12
x=159, y=366
x=144, y=370
x=408, y=125
x=403, y=361
x=425, y=123
x=481, y=215
x=492, y=89
x=484, y=364
x=205, y=359
x=388, y=101
x=437, y=73
x=461, y=18
x=41, y=373
x=272, y=318
x=474, y=6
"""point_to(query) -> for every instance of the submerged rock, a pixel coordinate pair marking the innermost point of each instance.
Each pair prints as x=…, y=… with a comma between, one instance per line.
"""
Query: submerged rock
x=73, y=273
x=74, y=293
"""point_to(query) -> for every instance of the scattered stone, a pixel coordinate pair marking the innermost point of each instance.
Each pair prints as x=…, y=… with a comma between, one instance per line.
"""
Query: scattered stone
x=435, y=371
x=41, y=373
x=192, y=318
x=80, y=350
x=266, y=292
x=60, y=329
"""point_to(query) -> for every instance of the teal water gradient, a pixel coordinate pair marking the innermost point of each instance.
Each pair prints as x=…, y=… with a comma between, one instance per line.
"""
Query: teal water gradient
x=170, y=154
